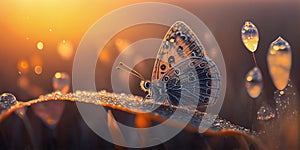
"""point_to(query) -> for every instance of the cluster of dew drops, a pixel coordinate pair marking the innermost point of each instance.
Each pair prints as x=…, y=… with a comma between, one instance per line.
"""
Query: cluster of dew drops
x=61, y=83
x=279, y=59
x=7, y=100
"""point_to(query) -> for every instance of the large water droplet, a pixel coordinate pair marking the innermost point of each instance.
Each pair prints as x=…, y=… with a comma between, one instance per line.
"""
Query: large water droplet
x=254, y=82
x=61, y=82
x=265, y=112
x=250, y=36
x=7, y=100
x=279, y=62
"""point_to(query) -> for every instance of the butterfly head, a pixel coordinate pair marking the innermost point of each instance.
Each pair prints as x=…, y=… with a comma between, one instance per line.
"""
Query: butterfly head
x=145, y=85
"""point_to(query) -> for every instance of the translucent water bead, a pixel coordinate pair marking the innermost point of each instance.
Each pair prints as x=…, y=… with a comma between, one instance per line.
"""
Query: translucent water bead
x=250, y=36
x=7, y=100
x=254, y=82
x=279, y=62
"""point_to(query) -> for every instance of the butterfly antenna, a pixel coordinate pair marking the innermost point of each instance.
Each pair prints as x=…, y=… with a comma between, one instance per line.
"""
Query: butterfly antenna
x=126, y=68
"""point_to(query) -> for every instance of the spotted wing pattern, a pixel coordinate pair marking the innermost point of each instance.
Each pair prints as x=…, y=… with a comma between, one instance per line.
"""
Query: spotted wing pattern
x=185, y=70
x=196, y=78
x=178, y=44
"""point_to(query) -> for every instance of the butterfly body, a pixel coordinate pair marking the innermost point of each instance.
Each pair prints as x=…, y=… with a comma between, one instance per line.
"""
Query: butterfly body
x=182, y=72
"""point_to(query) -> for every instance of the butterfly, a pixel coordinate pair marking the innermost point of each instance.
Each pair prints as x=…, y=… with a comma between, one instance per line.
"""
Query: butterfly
x=182, y=71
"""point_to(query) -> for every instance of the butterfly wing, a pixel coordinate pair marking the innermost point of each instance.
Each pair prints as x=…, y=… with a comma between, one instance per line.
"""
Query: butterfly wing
x=178, y=44
x=193, y=79
x=182, y=65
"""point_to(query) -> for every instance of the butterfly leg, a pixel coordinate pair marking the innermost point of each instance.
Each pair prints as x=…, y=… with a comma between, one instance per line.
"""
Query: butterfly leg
x=146, y=98
x=148, y=102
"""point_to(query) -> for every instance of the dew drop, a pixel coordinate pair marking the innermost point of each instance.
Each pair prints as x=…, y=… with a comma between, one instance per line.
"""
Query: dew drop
x=279, y=59
x=23, y=66
x=254, y=82
x=265, y=112
x=7, y=100
x=38, y=70
x=61, y=82
x=40, y=45
x=250, y=36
